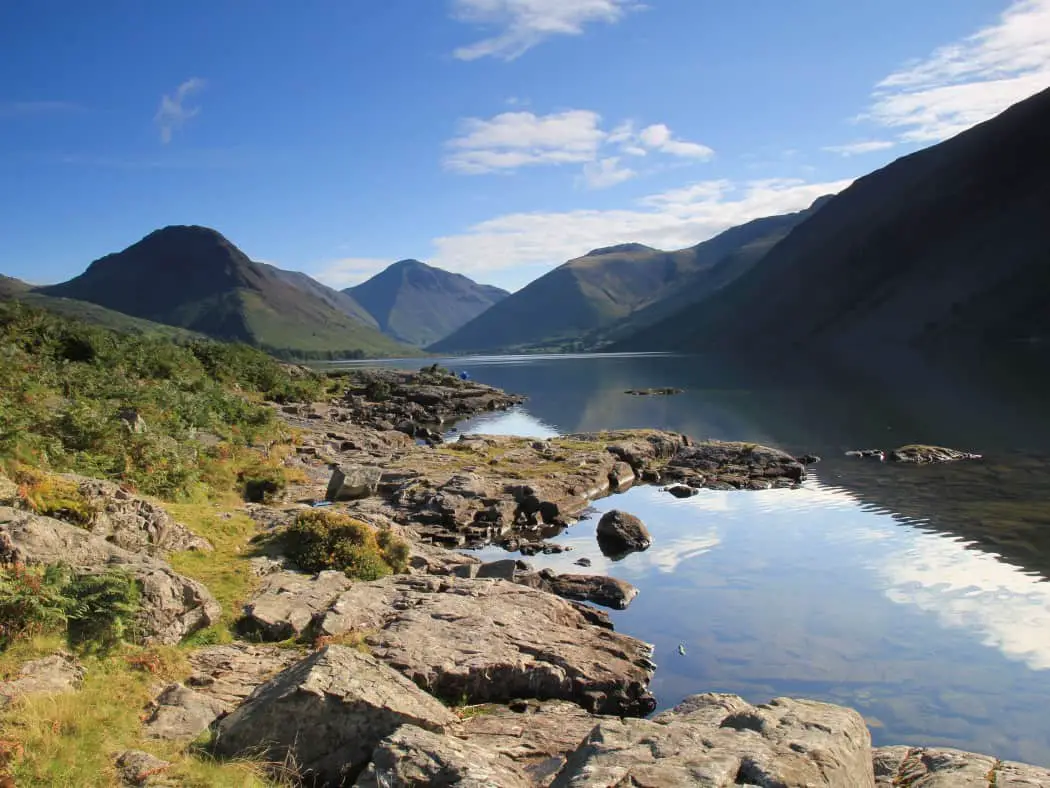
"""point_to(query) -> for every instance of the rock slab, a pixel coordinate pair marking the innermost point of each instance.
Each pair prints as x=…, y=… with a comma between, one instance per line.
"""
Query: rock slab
x=327, y=713
x=933, y=767
x=717, y=741
x=483, y=641
x=59, y=672
x=286, y=603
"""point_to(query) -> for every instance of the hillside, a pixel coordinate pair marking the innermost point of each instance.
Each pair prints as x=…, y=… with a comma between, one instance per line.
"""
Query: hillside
x=612, y=292
x=945, y=248
x=195, y=278
x=418, y=304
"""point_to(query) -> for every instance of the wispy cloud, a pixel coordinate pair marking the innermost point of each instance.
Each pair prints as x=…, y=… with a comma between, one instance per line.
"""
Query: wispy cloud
x=520, y=25
x=969, y=81
x=21, y=109
x=174, y=110
x=604, y=173
x=668, y=220
x=860, y=148
x=512, y=140
x=348, y=271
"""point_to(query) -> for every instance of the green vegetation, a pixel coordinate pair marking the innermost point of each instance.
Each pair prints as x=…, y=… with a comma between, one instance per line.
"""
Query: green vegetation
x=66, y=385
x=320, y=540
x=96, y=611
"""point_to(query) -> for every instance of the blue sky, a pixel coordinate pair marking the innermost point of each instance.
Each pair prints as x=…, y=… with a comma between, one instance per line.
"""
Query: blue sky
x=493, y=137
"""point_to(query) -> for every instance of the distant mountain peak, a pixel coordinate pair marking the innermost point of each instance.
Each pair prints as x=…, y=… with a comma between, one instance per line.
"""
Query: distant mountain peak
x=631, y=248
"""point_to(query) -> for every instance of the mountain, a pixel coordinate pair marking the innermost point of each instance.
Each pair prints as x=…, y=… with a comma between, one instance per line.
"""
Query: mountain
x=9, y=286
x=195, y=278
x=337, y=299
x=614, y=291
x=419, y=304
x=946, y=248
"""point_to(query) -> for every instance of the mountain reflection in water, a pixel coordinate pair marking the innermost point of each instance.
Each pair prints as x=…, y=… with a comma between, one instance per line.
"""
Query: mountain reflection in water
x=917, y=595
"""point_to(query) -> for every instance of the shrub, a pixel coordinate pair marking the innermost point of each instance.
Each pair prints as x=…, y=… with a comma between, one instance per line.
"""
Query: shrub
x=320, y=540
x=378, y=390
x=53, y=496
x=262, y=484
x=97, y=610
x=31, y=602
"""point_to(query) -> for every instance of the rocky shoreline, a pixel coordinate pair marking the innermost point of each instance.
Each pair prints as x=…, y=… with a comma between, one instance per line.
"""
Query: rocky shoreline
x=457, y=672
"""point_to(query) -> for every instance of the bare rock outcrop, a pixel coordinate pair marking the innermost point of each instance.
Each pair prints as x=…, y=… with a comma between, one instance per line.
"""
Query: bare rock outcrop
x=721, y=740
x=414, y=758
x=172, y=606
x=286, y=603
x=925, y=455
x=487, y=640
x=935, y=767
x=232, y=671
x=327, y=713
x=59, y=672
x=182, y=713
x=537, y=735
x=733, y=465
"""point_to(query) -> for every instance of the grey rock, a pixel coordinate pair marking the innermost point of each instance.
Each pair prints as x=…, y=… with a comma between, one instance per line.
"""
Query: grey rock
x=621, y=476
x=328, y=713
x=231, y=672
x=286, y=603
x=181, y=713
x=681, y=490
x=131, y=522
x=867, y=454
x=59, y=672
x=934, y=767
x=709, y=462
x=619, y=532
x=138, y=768
x=352, y=482
x=720, y=740
x=601, y=590
x=925, y=455
x=504, y=569
x=582, y=562
x=485, y=640
x=537, y=735
x=414, y=758
x=172, y=606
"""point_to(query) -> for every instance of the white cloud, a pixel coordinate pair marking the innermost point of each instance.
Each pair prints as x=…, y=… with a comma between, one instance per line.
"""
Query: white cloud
x=348, y=271
x=659, y=137
x=969, y=81
x=860, y=148
x=604, y=173
x=513, y=140
x=174, y=112
x=522, y=24
x=517, y=139
x=669, y=220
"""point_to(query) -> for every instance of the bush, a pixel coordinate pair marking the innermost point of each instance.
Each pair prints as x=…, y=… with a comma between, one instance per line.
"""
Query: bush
x=97, y=610
x=31, y=603
x=53, y=496
x=320, y=540
x=262, y=484
x=377, y=390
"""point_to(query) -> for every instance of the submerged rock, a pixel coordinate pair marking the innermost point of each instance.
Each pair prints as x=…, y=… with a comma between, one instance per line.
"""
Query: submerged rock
x=481, y=641
x=721, y=740
x=601, y=590
x=414, y=758
x=923, y=455
x=326, y=714
x=681, y=490
x=654, y=392
x=619, y=533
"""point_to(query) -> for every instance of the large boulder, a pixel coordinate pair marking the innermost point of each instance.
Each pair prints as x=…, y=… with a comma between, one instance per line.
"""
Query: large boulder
x=327, y=714
x=286, y=603
x=353, y=482
x=937, y=767
x=59, y=672
x=172, y=606
x=490, y=641
x=414, y=758
x=619, y=532
x=721, y=740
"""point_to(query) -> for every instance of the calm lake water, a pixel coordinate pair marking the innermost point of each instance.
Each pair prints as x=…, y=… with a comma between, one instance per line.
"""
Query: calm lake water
x=919, y=596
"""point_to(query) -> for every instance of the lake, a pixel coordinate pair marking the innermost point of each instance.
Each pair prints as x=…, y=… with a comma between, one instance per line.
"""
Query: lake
x=917, y=595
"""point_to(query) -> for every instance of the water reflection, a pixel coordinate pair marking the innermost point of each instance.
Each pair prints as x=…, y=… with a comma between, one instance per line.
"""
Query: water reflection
x=827, y=592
